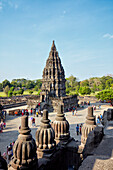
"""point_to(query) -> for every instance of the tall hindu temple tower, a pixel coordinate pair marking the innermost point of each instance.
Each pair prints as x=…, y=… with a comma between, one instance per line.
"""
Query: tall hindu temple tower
x=53, y=82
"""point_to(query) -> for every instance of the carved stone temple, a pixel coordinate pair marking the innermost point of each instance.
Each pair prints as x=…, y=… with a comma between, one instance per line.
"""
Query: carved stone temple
x=53, y=84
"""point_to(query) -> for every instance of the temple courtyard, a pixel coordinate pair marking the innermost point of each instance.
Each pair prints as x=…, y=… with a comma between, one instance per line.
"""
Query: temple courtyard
x=10, y=134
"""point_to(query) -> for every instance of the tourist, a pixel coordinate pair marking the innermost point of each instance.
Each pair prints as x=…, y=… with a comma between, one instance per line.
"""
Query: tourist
x=80, y=129
x=4, y=125
x=77, y=129
x=98, y=120
x=72, y=112
x=101, y=117
x=75, y=111
x=9, y=153
x=34, y=112
x=22, y=112
x=41, y=113
x=37, y=112
x=33, y=122
x=31, y=111
x=4, y=155
x=99, y=106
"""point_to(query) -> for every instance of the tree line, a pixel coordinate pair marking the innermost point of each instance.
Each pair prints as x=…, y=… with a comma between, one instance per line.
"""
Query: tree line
x=18, y=86
x=73, y=86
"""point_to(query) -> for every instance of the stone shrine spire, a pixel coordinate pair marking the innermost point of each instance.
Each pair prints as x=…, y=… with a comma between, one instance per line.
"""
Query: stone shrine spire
x=53, y=81
x=24, y=149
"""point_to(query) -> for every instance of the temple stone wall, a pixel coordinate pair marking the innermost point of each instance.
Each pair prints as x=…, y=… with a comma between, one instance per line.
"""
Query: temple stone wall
x=67, y=102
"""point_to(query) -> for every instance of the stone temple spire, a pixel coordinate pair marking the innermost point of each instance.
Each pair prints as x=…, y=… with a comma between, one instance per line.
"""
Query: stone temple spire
x=24, y=149
x=53, y=80
x=88, y=126
x=45, y=137
x=61, y=126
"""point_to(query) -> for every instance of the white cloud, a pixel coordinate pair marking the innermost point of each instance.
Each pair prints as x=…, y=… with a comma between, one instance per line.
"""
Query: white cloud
x=109, y=36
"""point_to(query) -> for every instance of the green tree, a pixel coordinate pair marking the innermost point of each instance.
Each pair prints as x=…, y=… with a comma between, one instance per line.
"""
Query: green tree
x=105, y=95
x=10, y=93
x=30, y=84
x=14, y=84
x=38, y=92
x=11, y=88
x=30, y=91
x=38, y=83
x=6, y=89
x=84, y=90
x=6, y=83
x=14, y=93
x=109, y=83
x=1, y=87
x=20, y=91
x=84, y=83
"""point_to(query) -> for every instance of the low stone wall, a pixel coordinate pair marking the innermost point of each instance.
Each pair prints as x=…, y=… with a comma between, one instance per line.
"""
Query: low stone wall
x=67, y=102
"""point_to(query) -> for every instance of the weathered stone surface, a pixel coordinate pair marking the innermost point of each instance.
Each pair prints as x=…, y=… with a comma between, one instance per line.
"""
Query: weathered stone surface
x=96, y=163
x=102, y=156
x=93, y=140
x=24, y=149
x=45, y=137
x=104, y=119
x=110, y=114
x=88, y=126
x=61, y=126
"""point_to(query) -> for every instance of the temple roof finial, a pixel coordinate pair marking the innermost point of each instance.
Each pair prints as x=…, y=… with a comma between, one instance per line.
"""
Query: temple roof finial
x=53, y=46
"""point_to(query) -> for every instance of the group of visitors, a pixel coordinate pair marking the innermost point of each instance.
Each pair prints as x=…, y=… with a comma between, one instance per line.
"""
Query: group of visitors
x=79, y=129
x=94, y=107
x=36, y=112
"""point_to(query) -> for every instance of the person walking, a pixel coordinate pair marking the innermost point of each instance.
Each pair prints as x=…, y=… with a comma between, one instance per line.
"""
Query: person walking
x=72, y=112
x=80, y=129
x=77, y=129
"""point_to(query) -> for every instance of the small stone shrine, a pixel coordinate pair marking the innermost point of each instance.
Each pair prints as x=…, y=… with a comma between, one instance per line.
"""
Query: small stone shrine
x=24, y=149
x=89, y=125
x=61, y=126
x=45, y=136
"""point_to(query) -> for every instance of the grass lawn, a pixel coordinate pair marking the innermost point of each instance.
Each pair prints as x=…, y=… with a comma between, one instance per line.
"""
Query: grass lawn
x=2, y=94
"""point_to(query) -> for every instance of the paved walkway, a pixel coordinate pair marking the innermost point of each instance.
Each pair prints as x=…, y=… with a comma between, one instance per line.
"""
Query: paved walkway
x=10, y=134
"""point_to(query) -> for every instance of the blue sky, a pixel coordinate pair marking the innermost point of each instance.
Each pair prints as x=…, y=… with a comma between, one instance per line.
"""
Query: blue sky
x=82, y=30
